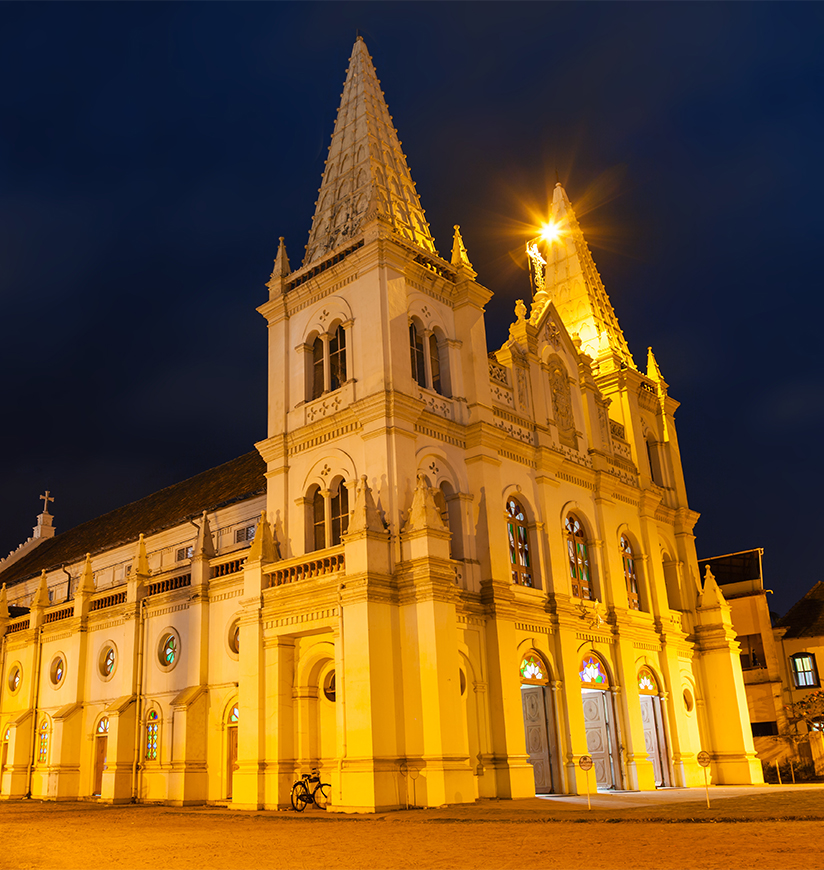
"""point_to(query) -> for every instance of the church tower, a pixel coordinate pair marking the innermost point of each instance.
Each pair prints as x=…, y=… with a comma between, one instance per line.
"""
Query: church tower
x=489, y=524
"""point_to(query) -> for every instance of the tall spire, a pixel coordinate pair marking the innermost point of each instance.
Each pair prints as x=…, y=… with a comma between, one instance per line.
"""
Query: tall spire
x=366, y=171
x=572, y=282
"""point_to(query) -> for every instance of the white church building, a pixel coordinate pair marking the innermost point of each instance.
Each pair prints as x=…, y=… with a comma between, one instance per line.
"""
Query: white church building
x=448, y=573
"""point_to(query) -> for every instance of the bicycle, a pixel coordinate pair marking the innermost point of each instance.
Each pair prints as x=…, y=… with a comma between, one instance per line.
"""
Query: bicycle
x=301, y=794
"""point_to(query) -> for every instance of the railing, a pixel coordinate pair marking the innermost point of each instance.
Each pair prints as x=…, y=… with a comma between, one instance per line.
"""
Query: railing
x=617, y=429
x=18, y=626
x=108, y=601
x=169, y=583
x=228, y=567
x=57, y=615
x=330, y=564
x=498, y=373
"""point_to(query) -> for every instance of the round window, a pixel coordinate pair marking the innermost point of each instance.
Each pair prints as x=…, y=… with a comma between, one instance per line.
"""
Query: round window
x=688, y=701
x=57, y=670
x=168, y=649
x=15, y=678
x=234, y=637
x=329, y=686
x=107, y=662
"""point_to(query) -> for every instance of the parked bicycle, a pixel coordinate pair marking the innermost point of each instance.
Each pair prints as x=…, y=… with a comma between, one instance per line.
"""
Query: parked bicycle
x=310, y=790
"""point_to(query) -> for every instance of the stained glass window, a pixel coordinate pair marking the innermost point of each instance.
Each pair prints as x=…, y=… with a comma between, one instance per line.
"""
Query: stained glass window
x=234, y=715
x=14, y=679
x=169, y=651
x=592, y=673
x=578, y=558
x=234, y=637
x=103, y=726
x=58, y=670
x=8, y=734
x=533, y=669
x=108, y=662
x=43, y=743
x=629, y=573
x=152, y=725
x=519, y=553
x=647, y=684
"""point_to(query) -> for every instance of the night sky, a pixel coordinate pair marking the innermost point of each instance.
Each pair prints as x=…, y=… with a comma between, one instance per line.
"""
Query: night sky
x=151, y=155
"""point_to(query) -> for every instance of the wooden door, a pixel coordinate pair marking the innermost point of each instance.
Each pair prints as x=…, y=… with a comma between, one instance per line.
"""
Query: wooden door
x=101, y=749
x=651, y=740
x=231, y=758
x=597, y=730
x=537, y=741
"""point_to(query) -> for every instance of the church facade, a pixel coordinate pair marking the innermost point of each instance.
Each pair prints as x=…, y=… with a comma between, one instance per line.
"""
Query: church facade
x=446, y=574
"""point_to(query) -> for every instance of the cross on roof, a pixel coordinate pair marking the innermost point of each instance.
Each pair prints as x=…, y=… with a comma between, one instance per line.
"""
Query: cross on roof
x=46, y=499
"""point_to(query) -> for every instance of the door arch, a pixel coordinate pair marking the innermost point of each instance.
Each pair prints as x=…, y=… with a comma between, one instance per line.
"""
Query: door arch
x=232, y=719
x=101, y=750
x=599, y=720
x=655, y=740
x=537, y=714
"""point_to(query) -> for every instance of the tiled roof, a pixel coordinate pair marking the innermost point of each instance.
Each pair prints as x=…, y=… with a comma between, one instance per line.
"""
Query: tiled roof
x=233, y=481
x=806, y=617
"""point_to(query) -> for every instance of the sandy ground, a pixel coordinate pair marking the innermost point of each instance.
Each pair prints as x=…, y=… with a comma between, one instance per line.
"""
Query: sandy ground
x=743, y=829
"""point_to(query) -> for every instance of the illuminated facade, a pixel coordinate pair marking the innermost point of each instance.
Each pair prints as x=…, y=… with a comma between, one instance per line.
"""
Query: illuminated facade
x=470, y=569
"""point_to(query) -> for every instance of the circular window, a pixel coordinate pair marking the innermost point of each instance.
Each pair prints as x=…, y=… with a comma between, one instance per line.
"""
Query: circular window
x=15, y=677
x=329, y=686
x=234, y=637
x=462, y=677
x=107, y=663
x=689, y=703
x=168, y=649
x=57, y=670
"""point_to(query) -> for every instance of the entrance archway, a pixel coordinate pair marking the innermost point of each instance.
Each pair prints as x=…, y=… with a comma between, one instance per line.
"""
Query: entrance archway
x=231, y=748
x=101, y=749
x=537, y=716
x=654, y=735
x=599, y=720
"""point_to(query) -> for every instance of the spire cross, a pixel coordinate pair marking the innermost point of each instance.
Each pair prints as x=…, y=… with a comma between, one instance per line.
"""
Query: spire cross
x=46, y=499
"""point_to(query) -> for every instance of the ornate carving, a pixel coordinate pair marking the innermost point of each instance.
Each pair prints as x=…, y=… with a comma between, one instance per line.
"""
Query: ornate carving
x=562, y=403
x=552, y=334
x=498, y=373
x=523, y=390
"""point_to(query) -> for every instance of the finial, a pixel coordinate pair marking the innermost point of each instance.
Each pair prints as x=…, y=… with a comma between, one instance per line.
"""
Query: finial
x=281, y=269
x=459, y=255
x=520, y=310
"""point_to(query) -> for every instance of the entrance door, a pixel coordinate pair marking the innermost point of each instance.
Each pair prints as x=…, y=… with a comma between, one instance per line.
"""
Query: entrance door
x=654, y=737
x=537, y=741
x=101, y=748
x=231, y=758
x=596, y=722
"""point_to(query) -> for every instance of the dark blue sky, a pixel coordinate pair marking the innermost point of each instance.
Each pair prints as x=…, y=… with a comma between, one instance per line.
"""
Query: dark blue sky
x=151, y=154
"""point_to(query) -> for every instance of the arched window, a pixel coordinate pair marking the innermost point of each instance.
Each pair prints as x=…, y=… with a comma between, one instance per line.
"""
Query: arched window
x=234, y=715
x=629, y=573
x=533, y=669
x=805, y=672
x=417, y=354
x=329, y=516
x=647, y=684
x=152, y=727
x=578, y=558
x=592, y=672
x=43, y=742
x=520, y=558
x=435, y=363
x=329, y=372
x=103, y=725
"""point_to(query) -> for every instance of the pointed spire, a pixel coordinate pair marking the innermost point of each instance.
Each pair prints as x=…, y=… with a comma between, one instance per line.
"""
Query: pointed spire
x=574, y=285
x=424, y=513
x=85, y=585
x=711, y=596
x=41, y=597
x=204, y=545
x=281, y=269
x=140, y=563
x=263, y=546
x=366, y=170
x=4, y=603
x=365, y=516
x=459, y=255
x=653, y=369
